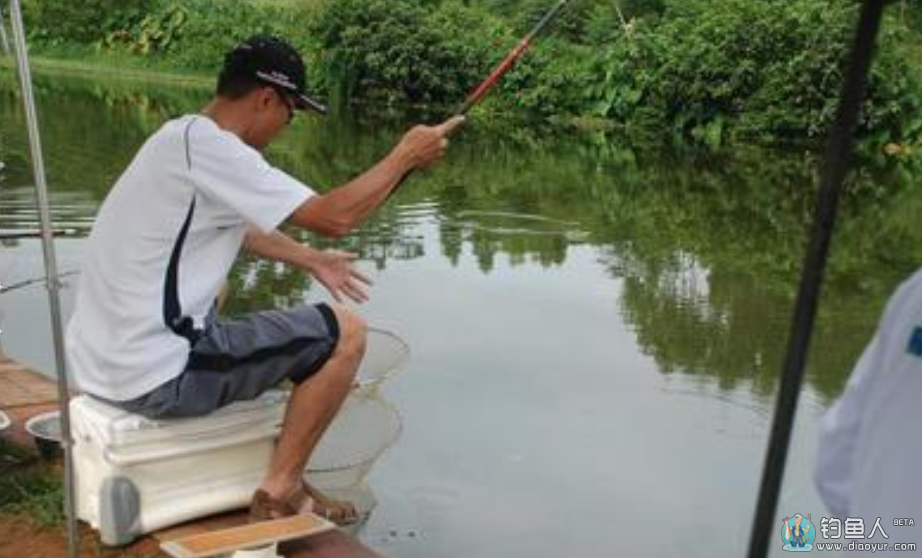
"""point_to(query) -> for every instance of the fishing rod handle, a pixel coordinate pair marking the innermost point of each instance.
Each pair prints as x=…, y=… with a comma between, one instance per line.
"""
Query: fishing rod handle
x=407, y=174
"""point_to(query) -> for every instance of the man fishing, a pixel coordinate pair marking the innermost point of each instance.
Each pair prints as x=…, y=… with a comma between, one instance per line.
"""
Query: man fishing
x=145, y=336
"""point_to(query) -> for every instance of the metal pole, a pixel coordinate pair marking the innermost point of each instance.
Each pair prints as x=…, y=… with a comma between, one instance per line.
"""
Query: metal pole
x=52, y=281
x=837, y=161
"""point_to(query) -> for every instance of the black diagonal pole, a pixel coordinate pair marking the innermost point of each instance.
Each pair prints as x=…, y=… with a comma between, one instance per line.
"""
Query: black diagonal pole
x=836, y=163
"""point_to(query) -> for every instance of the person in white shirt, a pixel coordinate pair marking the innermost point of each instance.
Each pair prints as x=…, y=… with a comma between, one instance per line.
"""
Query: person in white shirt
x=144, y=333
x=870, y=448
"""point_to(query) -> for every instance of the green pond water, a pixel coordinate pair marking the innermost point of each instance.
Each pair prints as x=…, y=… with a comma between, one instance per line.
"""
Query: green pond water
x=596, y=327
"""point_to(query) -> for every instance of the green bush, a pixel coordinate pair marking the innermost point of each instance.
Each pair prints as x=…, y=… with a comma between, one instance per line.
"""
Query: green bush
x=579, y=22
x=403, y=51
x=713, y=70
x=892, y=112
x=85, y=21
x=761, y=69
x=214, y=27
x=195, y=34
x=549, y=82
x=623, y=76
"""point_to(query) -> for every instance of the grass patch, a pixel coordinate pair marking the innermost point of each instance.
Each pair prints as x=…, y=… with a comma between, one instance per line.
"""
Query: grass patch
x=30, y=487
x=86, y=62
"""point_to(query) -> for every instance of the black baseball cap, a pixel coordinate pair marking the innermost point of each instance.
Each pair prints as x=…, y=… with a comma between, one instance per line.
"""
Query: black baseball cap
x=274, y=62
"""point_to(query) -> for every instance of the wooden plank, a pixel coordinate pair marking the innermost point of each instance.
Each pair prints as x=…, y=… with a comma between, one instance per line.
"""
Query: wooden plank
x=20, y=386
x=246, y=536
x=335, y=543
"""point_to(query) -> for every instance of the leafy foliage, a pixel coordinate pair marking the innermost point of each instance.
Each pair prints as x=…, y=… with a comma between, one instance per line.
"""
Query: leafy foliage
x=86, y=21
x=403, y=51
x=709, y=70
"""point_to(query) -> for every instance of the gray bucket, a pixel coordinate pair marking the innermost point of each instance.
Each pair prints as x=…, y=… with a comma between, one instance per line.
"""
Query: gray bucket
x=46, y=432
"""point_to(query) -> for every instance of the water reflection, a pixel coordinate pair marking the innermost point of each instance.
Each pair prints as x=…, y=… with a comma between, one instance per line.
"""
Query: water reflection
x=588, y=317
x=71, y=212
x=708, y=247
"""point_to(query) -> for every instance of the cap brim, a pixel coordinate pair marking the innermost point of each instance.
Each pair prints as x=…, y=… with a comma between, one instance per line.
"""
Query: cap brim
x=303, y=102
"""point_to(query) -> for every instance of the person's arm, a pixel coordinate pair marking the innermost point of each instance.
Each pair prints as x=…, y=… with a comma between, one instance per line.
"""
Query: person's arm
x=332, y=268
x=340, y=210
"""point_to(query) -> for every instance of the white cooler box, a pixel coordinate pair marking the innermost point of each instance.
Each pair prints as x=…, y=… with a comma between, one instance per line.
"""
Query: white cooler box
x=135, y=475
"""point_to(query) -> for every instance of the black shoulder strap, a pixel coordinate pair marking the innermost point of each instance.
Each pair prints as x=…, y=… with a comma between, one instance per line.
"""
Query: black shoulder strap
x=172, y=310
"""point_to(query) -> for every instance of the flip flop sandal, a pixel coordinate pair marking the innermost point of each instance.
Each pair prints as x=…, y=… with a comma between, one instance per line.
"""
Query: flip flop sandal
x=319, y=501
x=264, y=507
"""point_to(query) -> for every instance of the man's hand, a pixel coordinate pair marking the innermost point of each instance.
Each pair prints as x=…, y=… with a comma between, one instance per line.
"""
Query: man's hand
x=336, y=271
x=424, y=145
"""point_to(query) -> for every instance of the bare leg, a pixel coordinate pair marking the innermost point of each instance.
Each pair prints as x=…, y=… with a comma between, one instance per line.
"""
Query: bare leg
x=311, y=408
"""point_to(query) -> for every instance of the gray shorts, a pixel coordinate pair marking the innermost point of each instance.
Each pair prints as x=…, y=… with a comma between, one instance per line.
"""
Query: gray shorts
x=241, y=358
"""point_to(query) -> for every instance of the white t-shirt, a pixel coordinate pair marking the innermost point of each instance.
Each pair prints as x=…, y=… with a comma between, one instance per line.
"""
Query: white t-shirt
x=869, y=463
x=118, y=344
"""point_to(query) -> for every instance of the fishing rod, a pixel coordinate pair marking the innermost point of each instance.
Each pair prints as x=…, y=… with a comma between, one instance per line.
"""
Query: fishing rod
x=32, y=281
x=478, y=93
x=34, y=233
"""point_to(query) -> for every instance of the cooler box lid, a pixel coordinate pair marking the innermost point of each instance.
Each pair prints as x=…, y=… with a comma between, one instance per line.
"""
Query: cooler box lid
x=120, y=431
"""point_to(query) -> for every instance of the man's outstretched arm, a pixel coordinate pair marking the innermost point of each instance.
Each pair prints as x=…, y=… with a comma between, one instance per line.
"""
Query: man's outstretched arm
x=340, y=210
